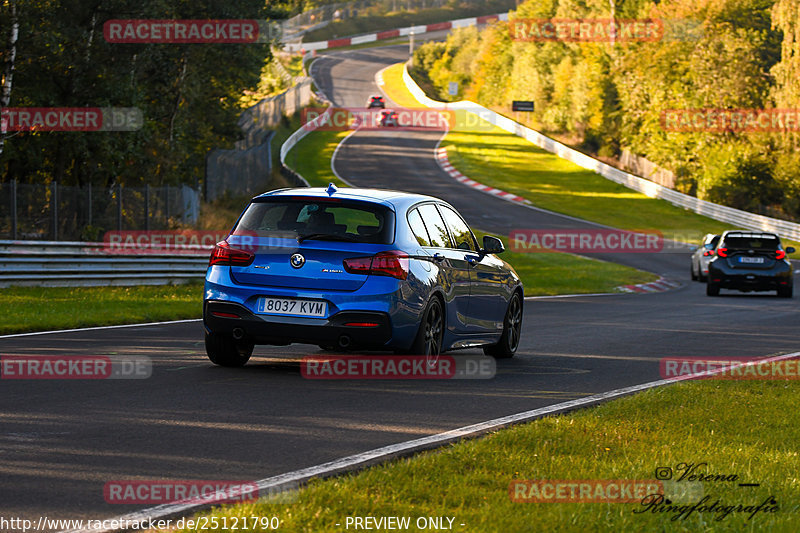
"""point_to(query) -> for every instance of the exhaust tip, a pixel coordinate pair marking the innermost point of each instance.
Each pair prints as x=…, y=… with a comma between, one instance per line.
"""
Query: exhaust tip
x=238, y=333
x=344, y=341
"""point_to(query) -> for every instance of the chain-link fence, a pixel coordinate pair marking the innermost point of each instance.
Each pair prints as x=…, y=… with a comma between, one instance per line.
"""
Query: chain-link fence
x=70, y=213
x=247, y=169
x=238, y=171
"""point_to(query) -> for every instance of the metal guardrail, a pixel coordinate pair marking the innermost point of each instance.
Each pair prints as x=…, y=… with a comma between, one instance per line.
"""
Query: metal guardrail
x=80, y=264
x=83, y=264
x=736, y=217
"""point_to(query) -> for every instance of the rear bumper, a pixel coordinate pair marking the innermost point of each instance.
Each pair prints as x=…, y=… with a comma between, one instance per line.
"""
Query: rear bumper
x=224, y=317
x=750, y=280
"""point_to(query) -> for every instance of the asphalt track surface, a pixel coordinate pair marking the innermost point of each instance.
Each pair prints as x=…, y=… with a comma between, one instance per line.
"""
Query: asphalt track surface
x=61, y=441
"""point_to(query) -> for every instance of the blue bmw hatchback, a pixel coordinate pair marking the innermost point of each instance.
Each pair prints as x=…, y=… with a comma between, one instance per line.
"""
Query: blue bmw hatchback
x=358, y=269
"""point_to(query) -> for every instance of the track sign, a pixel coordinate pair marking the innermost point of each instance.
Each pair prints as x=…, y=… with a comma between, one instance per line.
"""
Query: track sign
x=522, y=105
x=452, y=88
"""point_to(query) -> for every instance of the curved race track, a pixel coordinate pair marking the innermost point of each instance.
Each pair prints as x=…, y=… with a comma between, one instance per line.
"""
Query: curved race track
x=62, y=441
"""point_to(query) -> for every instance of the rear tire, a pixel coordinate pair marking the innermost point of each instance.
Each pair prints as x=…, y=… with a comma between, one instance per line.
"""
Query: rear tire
x=512, y=331
x=785, y=292
x=712, y=289
x=694, y=276
x=428, y=341
x=224, y=350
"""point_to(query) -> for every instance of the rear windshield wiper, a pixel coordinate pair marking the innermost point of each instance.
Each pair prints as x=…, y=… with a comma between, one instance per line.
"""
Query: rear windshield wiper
x=325, y=236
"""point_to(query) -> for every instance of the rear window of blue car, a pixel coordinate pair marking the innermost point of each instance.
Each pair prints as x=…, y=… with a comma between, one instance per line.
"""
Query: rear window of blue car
x=328, y=219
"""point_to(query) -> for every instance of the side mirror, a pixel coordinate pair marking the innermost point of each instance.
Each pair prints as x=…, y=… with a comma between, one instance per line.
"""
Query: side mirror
x=492, y=245
x=790, y=250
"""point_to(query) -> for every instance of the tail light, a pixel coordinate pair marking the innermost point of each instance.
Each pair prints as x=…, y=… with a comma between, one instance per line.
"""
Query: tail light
x=222, y=314
x=780, y=254
x=708, y=253
x=722, y=252
x=393, y=263
x=224, y=255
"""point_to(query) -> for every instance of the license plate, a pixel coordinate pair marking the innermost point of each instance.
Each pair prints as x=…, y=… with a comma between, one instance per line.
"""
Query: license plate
x=286, y=306
x=751, y=260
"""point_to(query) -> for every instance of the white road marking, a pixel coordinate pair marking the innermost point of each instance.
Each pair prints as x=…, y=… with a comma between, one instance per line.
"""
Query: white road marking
x=291, y=480
x=94, y=328
x=572, y=295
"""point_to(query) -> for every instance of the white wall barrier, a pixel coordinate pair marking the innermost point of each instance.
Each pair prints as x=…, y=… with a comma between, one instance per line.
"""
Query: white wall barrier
x=300, y=134
x=392, y=34
x=736, y=217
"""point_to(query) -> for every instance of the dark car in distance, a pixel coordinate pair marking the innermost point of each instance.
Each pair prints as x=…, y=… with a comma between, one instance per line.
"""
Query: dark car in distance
x=750, y=261
x=390, y=118
x=375, y=101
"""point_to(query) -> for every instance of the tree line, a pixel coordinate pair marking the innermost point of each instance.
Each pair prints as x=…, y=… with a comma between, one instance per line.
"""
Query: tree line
x=718, y=56
x=53, y=54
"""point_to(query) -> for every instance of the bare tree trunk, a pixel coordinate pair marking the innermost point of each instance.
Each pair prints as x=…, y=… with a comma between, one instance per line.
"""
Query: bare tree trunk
x=8, y=65
x=80, y=162
x=178, y=96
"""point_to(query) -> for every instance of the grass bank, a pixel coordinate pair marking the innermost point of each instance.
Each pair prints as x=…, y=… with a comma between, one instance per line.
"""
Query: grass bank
x=541, y=273
x=51, y=308
x=549, y=274
x=626, y=439
x=311, y=157
x=497, y=158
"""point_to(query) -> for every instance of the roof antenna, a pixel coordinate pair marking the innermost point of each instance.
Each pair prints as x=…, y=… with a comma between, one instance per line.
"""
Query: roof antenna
x=331, y=189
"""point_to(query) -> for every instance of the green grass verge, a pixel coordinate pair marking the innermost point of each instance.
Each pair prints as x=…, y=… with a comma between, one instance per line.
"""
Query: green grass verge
x=548, y=274
x=541, y=273
x=311, y=157
x=284, y=130
x=395, y=88
x=626, y=439
x=50, y=308
x=497, y=158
